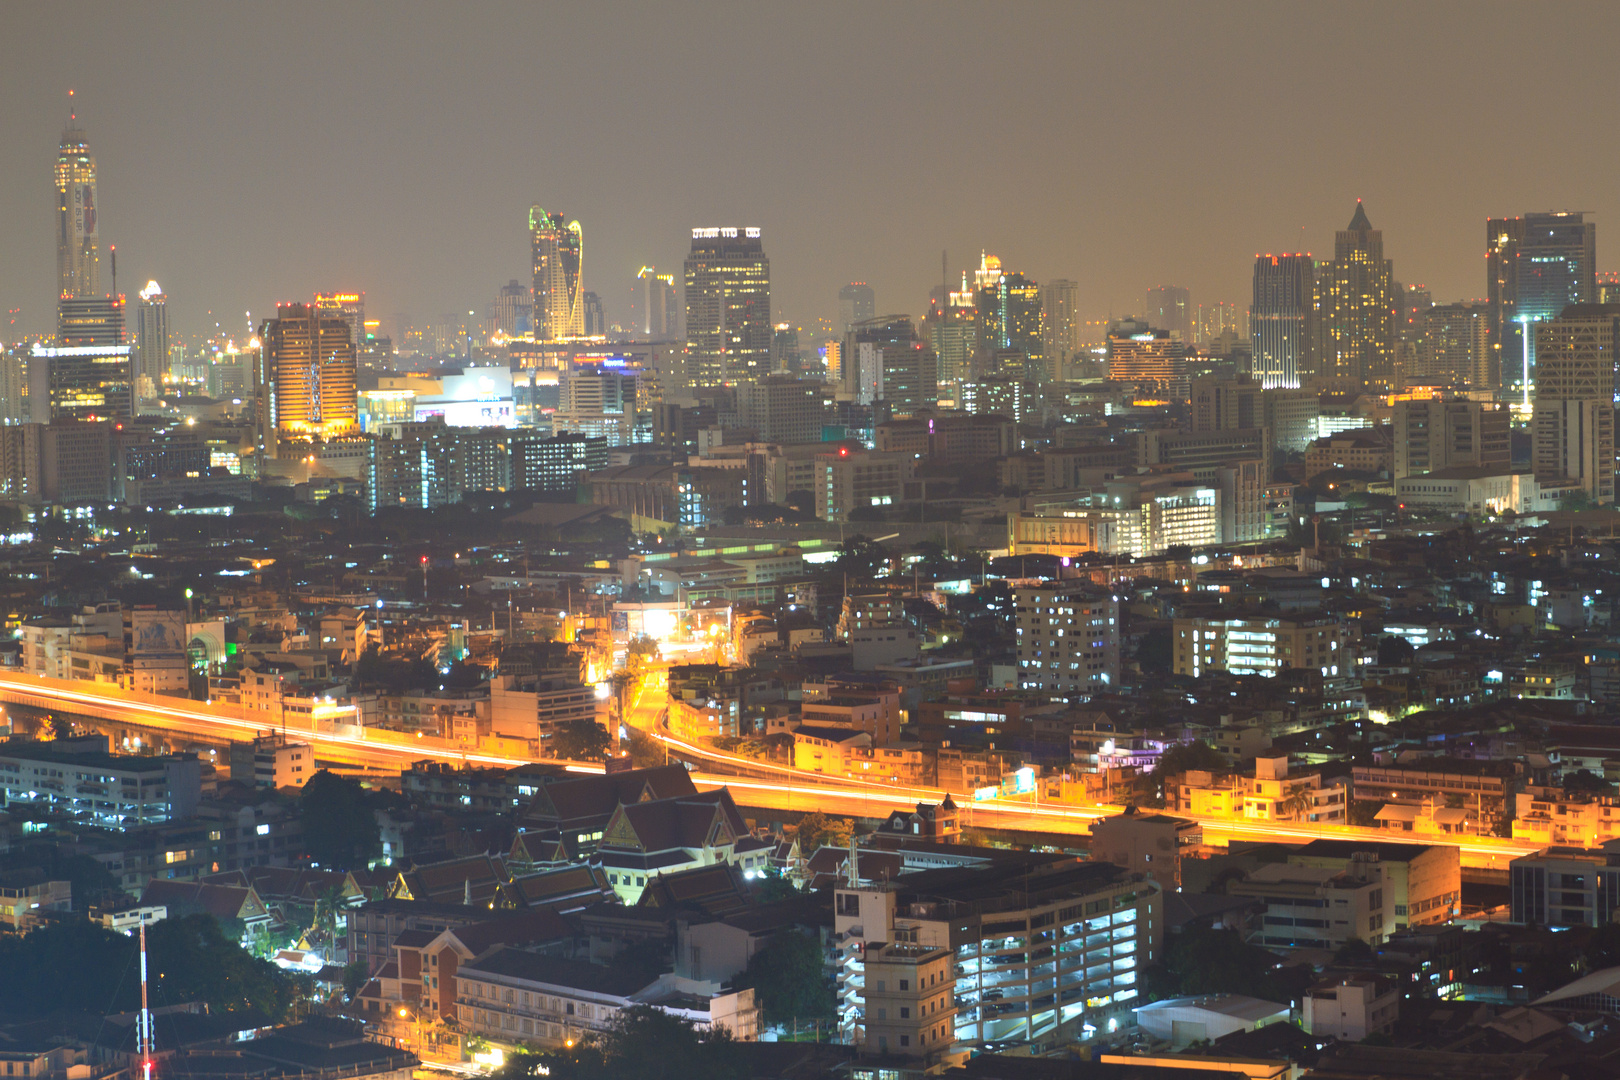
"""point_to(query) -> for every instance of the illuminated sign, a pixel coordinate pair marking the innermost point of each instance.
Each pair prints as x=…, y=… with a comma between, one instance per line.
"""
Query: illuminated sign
x=981, y=794
x=1021, y=782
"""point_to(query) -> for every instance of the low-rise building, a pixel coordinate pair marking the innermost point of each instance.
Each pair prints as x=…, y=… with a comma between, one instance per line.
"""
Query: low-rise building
x=1260, y=645
x=78, y=776
x=1319, y=908
x=1350, y=1009
x=1148, y=844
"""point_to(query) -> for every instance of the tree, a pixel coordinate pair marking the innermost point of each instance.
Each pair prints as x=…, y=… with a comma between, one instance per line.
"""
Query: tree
x=1155, y=656
x=802, y=501
x=641, y=1043
x=340, y=830
x=1395, y=651
x=580, y=740
x=1586, y=781
x=355, y=977
x=1203, y=960
x=1196, y=755
x=817, y=830
x=789, y=980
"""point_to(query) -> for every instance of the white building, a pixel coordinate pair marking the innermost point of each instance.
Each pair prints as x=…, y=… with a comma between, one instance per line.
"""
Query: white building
x=1351, y=1009
x=1182, y=1021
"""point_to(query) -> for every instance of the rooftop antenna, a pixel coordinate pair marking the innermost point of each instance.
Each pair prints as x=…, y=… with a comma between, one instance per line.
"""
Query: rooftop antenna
x=144, y=1027
x=73, y=114
x=113, y=251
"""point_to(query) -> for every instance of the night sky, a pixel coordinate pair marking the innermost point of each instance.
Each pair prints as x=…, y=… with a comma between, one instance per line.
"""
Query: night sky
x=251, y=153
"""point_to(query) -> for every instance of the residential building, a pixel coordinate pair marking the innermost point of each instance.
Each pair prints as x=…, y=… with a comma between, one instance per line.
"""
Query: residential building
x=1572, y=429
x=1456, y=347
x=782, y=408
x=1273, y=793
x=1565, y=886
x=1259, y=645
x=907, y=1000
x=1424, y=880
x=1149, y=844
x=1311, y=907
x=1068, y=638
x=1351, y=1008
x=1370, y=451
x=1556, y=818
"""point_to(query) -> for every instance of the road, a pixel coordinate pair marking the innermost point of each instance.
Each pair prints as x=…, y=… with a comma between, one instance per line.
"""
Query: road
x=762, y=785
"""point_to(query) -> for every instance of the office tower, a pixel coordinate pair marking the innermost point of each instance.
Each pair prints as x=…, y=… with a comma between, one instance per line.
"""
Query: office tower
x=655, y=312
x=348, y=306
x=1356, y=304
x=785, y=348
x=1534, y=266
x=1282, y=320
x=1226, y=404
x=78, y=258
x=559, y=309
x=1068, y=638
x=1150, y=358
x=1455, y=346
x=595, y=319
x=1572, y=428
x=1446, y=433
x=885, y=361
x=87, y=375
x=1060, y=324
x=1169, y=308
x=728, y=306
x=856, y=304
x=1009, y=307
x=781, y=408
x=308, y=364
x=514, y=310
x=151, y=341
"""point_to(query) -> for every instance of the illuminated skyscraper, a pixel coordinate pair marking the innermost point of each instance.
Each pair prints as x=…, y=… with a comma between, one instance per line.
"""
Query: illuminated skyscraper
x=595, y=317
x=78, y=258
x=728, y=306
x=857, y=302
x=1060, y=323
x=655, y=312
x=954, y=333
x=559, y=306
x=1356, y=304
x=1534, y=266
x=87, y=374
x=1572, y=428
x=151, y=341
x=1282, y=321
x=308, y=366
x=1010, y=317
x=1170, y=308
x=348, y=306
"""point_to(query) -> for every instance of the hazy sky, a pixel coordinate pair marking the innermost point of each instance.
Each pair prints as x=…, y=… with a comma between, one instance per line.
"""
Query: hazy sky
x=255, y=152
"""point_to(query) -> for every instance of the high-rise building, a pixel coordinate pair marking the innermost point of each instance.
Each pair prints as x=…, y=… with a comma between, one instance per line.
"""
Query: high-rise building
x=1150, y=358
x=78, y=256
x=513, y=314
x=87, y=375
x=1433, y=434
x=857, y=302
x=1534, y=266
x=1009, y=307
x=1282, y=320
x=728, y=306
x=1060, y=323
x=785, y=348
x=885, y=361
x=1455, y=347
x=1572, y=429
x=1068, y=638
x=1220, y=319
x=953, y=330
x=308, y=365
x=1170, y=308
x=559, y=306
x=151, y=341
x=1357, y=308
x=348, y=306
x=655, y=312
x=595, y=317
x=781, y=408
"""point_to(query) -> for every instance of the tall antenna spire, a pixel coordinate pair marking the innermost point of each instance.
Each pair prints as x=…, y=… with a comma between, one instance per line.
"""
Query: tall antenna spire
x=144, y=1027
x=73, y=114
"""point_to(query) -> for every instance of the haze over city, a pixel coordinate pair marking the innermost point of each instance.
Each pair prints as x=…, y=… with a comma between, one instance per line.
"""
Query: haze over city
x=256, y=153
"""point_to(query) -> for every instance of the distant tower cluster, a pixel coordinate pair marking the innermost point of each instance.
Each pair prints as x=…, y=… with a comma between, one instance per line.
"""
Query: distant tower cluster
x=557, y=249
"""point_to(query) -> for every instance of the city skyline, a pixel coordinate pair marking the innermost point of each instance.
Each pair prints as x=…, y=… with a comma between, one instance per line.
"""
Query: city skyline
x=194, y=205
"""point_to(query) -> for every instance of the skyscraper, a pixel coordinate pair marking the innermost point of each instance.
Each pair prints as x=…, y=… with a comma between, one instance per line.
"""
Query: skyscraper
x=1282, y=320
x=558, y=251
x=348, y=306
x=1572, y=428
x=86, y=376
x=1009, y=307
x=151, y=341
x=595, y=319
x=655, y=313
x=1060, y=323
x=1534, y=266
x=1148, y=357
x=954, y=332
x=1455, y=347
x=514, y=310
x=1356, y=304
x=857, y=302
x=308, y=364
x=78, y=258
x=728, y=306
x=1170, y=308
